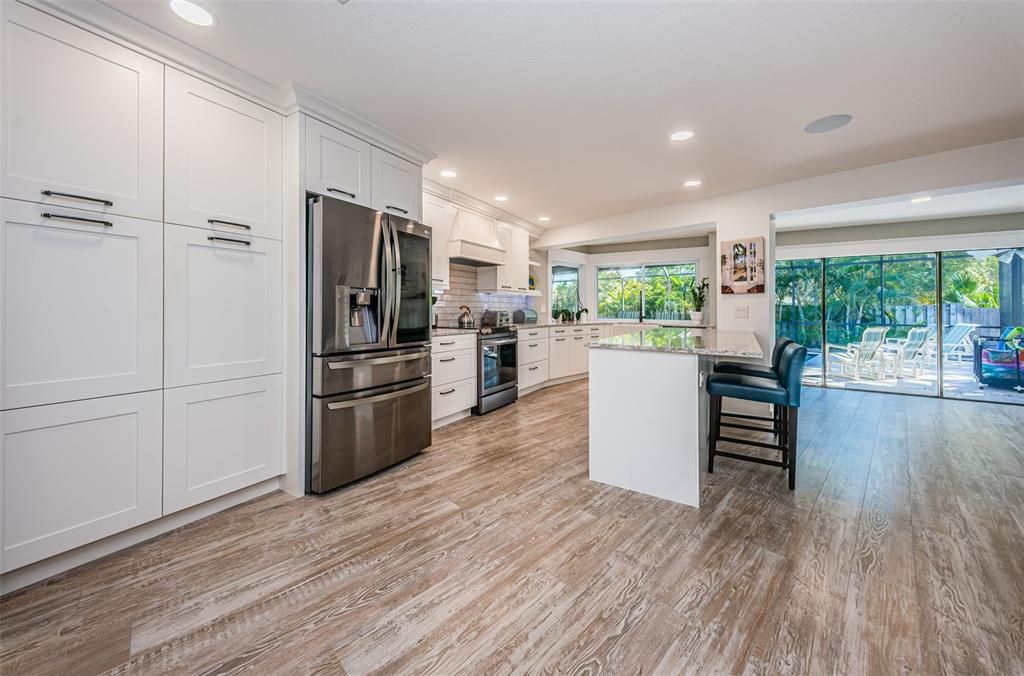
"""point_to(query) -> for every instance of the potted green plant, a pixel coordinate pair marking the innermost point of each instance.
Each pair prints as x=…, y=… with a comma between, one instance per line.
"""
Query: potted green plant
x=698, y=293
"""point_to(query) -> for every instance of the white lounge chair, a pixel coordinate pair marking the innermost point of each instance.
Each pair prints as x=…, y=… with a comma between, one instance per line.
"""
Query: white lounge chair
x=957, y=343
x=866, y=358
x=910, y=352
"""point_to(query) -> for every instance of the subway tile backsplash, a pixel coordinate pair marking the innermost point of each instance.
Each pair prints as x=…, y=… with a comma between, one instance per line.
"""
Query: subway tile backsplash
x=463, y=292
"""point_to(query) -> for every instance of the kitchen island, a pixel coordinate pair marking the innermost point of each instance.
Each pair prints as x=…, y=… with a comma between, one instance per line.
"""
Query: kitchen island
x=649, y=407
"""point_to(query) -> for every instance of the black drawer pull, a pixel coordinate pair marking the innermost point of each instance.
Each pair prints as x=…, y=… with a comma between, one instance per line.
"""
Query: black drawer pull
x=447, y=342
x=228, y=239
x=533, y=368
x=60, y=217
x=54, y=193
x=214, y=221
x=448, y=359
x=392, y=208
x=447, y=392
x=505, y=287
x=559, y=340
x=533, y=345
x=342, y=192
x=578, y=338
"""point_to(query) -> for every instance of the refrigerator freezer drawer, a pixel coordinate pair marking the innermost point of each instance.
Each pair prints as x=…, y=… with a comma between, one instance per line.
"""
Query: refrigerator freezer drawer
x=336, y=375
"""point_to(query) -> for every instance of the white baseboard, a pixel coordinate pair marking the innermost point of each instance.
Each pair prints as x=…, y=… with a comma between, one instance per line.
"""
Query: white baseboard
x=555, y=381
x=41, y=570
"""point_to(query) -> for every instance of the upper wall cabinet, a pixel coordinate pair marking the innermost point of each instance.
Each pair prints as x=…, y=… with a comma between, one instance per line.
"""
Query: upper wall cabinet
x=224, y=160
x=82, y=304
x=439, y=214
x=514, y=275
x=83, y=119
x=397, y=185
x=337, y=164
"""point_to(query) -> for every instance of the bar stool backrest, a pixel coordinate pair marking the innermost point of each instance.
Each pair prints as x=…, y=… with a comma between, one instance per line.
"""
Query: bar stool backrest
x=780, y=346
x=791, y=371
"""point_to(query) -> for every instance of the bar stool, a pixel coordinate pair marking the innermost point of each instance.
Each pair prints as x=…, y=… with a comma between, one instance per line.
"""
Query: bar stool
x=761, y=371
x=782, y=392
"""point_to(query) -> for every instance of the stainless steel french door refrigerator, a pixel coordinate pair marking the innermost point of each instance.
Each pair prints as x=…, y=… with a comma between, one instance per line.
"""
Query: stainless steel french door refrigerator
x=369, y=341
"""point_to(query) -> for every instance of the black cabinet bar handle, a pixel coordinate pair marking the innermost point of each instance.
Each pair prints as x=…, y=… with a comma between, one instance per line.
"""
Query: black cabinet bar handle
x=394, y=208
x=212, y=221
x=446, y=392
x=60, y=217
x=447, y=342
x=54, y=193
x=533, y=344
x=578, y=338
x=228, y=239
x=449, y=359
x=533, y=368
x=559, y=340
x=505, y=287
x=343, y=192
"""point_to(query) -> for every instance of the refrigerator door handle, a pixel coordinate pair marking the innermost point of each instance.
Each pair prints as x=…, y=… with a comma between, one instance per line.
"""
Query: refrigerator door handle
x=398, y=284
x=385, y=283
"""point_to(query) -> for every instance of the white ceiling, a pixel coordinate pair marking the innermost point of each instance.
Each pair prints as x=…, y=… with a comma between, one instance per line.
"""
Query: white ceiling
x=954, y=203
x=567, y=107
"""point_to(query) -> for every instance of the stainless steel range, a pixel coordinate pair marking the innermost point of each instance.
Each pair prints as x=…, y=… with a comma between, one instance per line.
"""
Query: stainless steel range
x=369, y=341
x=497, y=373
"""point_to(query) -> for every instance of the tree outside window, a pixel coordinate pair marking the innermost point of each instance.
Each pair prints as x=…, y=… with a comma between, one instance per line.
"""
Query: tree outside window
x=565, y=289
x=656, y=292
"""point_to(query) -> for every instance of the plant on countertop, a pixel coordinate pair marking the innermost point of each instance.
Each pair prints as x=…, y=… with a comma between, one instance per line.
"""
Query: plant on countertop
x=698, y=293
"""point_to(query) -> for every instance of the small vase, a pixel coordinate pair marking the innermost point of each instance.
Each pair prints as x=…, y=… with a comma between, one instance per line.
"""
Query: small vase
x=697, y=317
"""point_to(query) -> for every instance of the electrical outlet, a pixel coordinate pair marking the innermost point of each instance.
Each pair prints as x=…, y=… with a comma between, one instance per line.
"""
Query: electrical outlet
x=742, y=312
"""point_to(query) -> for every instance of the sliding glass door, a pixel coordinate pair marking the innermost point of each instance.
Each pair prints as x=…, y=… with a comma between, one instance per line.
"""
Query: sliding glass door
x=876, y=322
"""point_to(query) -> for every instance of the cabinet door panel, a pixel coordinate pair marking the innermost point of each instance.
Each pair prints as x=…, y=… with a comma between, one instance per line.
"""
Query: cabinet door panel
x=560, y=357
x=82, y=116
x=220, y=438
x=75, y=473
x=82, y=304
x=440, y=216
x=578, y=361
x=223, y=307
x=224, y=160
x=397, y=185
x=337, y=164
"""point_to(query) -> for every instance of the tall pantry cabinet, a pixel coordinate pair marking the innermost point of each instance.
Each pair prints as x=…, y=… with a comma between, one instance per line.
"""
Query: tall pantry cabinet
x=140, y=260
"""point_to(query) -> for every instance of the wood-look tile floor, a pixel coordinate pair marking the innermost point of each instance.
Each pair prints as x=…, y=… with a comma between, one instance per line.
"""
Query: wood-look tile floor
x=901, y=551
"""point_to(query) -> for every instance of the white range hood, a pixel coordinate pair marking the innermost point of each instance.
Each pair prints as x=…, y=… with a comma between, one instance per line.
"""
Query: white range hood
x=474, y=240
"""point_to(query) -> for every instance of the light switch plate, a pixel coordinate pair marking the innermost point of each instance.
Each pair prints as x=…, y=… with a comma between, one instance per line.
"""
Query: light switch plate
x=742, y=312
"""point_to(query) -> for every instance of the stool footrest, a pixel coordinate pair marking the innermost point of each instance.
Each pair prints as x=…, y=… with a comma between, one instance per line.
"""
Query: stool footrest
x=750, y=442
x=726, y=414
x=752, y=428
x=752, y=458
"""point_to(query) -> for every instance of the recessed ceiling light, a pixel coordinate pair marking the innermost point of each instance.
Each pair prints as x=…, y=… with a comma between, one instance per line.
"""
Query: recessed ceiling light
x=918, y=200
x=543, y=219
x=501, y=198
x=193, y=13
x=682, y=136
x=693, y=183
x=448, y=173
x=828, y=123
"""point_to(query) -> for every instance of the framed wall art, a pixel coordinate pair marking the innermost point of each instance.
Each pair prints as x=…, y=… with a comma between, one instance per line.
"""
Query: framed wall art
x=743, y=265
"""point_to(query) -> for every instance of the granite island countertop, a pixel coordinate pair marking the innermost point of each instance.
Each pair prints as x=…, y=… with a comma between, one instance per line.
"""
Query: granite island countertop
x=685, y=340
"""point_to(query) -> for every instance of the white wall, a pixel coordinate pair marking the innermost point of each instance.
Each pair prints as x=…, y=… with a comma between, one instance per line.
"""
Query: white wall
x=748, y=213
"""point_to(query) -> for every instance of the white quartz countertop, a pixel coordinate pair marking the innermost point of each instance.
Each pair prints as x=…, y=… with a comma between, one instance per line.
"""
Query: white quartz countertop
x=710, y=342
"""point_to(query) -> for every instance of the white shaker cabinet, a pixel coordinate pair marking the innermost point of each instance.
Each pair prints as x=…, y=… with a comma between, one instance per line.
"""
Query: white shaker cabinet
x=83, y=118
x=224, y=160
x=81, y=300
x=337, y=164
x=75, y=473
x=560, y=356
x=396, y=185
x=514, y=275
x=222, y=303
x=219, y=438
x=439, y=214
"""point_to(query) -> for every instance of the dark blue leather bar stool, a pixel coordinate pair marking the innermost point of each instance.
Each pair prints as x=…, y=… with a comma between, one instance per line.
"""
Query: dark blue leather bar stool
x=761, y=371
x=782, y=392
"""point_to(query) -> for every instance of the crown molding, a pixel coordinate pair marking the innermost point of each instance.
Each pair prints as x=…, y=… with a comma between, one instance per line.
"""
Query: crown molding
x=111, y=24
x=478, y=205
x=298, y=98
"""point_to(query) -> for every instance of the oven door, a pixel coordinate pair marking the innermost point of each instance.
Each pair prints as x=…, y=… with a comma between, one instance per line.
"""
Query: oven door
x=497, y=365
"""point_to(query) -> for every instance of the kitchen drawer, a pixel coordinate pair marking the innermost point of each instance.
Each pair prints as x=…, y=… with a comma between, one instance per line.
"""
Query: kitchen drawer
x=533, y=374
x=82, y=301
x=531, y=333
x=461, y=341
x=75, y=473
x=531, y=351
x=450, y=367
x=452, y=398
x=220, y=438
x=568, y=330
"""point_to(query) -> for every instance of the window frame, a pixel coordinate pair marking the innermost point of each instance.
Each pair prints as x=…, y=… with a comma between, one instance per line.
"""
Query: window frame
x=643, y=266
